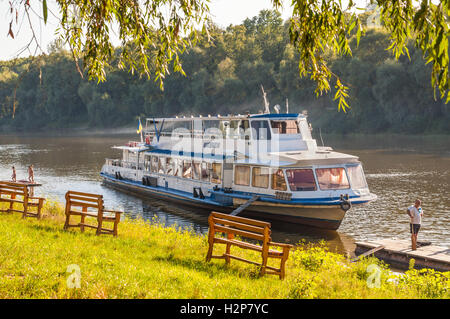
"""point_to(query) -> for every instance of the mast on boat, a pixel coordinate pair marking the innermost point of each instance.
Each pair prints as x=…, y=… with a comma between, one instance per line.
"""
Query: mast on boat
x=266, y=102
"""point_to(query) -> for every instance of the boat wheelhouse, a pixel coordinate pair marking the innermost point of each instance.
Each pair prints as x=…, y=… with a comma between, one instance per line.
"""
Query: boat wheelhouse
x=268, y=164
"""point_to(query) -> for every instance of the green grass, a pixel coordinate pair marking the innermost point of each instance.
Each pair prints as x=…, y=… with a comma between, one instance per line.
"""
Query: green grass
x=148, y=260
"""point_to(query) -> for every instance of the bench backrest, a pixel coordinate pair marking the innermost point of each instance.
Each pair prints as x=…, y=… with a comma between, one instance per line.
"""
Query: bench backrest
x=244, y=227
x=84, y=200
x=11, y=188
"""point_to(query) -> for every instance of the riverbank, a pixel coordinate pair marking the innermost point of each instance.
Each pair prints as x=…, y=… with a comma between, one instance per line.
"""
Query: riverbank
x=148, y=260
x=329, y=139
x=71, y=131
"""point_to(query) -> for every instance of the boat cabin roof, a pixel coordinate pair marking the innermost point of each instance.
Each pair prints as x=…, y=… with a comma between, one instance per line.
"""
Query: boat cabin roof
x=133, y=149
x=299, y=158
x=273, y=116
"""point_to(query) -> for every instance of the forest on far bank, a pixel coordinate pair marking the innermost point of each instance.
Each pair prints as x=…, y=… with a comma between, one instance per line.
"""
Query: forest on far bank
x=224, y=77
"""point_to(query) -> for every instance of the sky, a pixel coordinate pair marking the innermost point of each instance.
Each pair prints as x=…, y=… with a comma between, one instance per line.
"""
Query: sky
x=223, y=12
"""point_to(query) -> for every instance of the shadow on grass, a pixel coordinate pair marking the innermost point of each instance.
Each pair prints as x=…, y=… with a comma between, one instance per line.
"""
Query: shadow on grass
x=60, y=230
x=210, y=268
x=45, y=228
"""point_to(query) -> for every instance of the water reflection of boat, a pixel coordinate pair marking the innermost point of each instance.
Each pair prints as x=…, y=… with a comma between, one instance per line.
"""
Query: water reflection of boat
x=197, y=219
x=220, y=163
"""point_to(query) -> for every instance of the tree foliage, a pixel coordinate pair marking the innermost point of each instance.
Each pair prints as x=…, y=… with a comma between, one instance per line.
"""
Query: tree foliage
x=224, y=76
x=150, y=30
x=319, y=26
x=160, y=30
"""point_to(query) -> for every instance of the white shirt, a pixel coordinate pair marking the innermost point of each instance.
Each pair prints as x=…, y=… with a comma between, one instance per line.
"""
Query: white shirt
x=416, y=214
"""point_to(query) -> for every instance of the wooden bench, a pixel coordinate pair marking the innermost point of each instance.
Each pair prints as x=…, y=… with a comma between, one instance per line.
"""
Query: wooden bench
x=18, y=193
x=90, y=205
x=248, y=228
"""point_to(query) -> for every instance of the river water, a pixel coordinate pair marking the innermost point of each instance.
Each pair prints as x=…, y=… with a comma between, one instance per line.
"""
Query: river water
x=398, y=169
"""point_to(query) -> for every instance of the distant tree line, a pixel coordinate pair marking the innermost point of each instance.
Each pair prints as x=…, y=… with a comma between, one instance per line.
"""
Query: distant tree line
x=224, y=76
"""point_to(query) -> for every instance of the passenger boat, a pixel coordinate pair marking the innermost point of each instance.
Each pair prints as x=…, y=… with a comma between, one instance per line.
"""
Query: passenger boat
x=267, y=164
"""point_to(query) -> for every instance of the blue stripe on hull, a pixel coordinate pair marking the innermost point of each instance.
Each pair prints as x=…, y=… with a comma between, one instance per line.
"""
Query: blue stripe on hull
x=159, y=191
x=295, y=201
x=188, y=199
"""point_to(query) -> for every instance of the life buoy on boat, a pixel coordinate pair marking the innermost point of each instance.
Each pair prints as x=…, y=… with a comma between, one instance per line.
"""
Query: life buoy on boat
x=345, y=203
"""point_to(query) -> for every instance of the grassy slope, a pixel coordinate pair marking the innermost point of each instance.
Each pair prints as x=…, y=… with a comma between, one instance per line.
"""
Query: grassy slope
x=151, y=261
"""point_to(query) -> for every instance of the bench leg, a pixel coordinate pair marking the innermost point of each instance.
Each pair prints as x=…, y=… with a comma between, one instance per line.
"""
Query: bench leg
x=116, y=224
x=25, y=209
x=66, y=224
x=265, y=256
x=11, y=204
x=283, y=262
x=227, y=252
x=100, y=224
x=209, y=254
x=228, y=249
x=265, y=251
x=262, y=271
x=210, y=239
x=39, y=208
x=83, y=217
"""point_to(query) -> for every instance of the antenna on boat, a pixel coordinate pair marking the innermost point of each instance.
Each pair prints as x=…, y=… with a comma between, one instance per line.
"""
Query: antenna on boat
x=266, y=103
x=287, y=105
x=320, y=134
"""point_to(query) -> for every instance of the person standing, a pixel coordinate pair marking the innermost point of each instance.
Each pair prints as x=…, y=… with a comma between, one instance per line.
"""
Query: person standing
x=30, y=174
x=13, y=176
x=415, y=213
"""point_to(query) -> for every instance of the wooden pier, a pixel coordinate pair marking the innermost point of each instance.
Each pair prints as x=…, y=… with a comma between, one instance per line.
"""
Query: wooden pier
x=398, y=253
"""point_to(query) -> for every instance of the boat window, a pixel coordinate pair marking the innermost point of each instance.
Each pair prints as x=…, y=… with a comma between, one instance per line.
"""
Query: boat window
x=242, y=175
x=169, y=166
x=356, y=175
x=285, y=127
x=187, y=169
x=332, y=178
x=211, y=127
x=162, y=165
x=244, y=130
x=178, y=167
x=196, y=170
x=301, y=179
x=236, y=129
x=230, y=128
x=278, y=180
x=260, y=130
x=154, y=164
x=216, y=173
x=260, y=177
x=197, y=127
x=169, y=126
x=206, y=169
x=147, y=163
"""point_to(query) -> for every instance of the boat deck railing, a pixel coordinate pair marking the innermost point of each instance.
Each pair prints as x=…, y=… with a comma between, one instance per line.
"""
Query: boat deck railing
x=124, y=164
x=198, y=135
